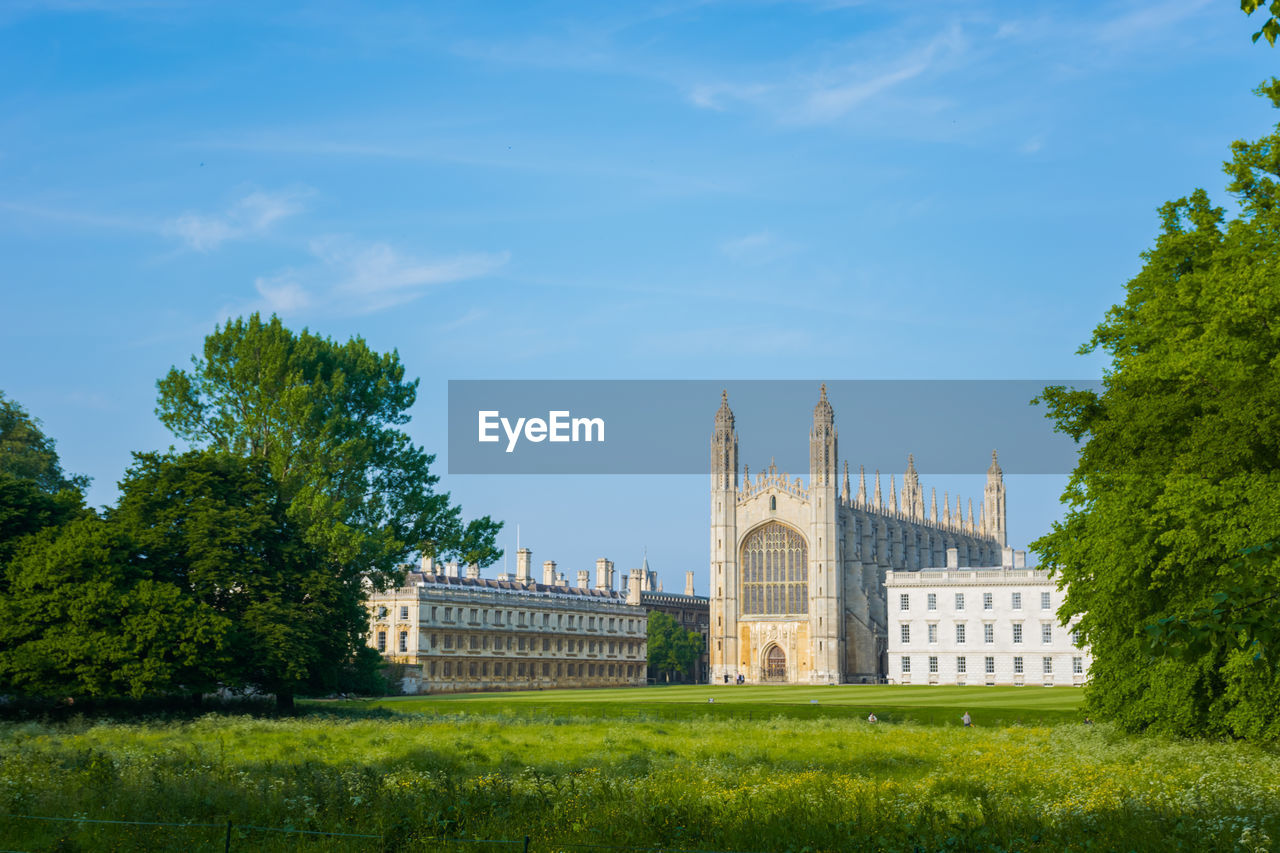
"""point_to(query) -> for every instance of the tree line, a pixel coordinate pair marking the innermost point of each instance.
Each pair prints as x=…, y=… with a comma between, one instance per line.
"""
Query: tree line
x=241, y=563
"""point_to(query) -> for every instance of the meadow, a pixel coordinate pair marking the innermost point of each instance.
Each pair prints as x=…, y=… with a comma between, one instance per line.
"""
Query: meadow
x=640, y=769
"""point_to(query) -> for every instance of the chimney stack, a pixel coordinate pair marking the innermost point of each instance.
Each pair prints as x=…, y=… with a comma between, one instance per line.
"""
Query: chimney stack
x=428, y=565
x=524, y=558
x=953, y=558
x=634, y=586
x=688, y=583
x=473, y=571
x=604, y=574
x=451, y=569
x=549, y=573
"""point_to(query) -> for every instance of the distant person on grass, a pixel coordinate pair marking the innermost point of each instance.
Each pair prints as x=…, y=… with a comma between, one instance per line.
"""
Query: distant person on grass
x=871, y=718
x=967, y=720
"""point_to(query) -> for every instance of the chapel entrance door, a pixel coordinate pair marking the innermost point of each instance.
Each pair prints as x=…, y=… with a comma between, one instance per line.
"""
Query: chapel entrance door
x=775, y=664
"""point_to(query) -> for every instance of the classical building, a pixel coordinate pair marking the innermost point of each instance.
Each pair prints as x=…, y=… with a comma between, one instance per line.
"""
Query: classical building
x=455, y=634
x=980, y=625
x=691, y=612
x=798, y=569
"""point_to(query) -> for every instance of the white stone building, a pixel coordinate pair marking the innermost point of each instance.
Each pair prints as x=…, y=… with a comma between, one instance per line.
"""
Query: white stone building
x=456, y=634
x=980, y=625
x=798, y=568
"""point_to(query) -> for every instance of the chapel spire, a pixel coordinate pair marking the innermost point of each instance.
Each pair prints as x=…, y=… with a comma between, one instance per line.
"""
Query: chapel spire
x=724, y=448
x=862, y=485
x=822, y=445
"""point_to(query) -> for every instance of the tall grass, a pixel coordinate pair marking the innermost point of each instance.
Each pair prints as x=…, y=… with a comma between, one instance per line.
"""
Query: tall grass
x=702, y=783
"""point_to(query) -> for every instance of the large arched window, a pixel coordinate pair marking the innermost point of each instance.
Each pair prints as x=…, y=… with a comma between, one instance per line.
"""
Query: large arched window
x=775, y=572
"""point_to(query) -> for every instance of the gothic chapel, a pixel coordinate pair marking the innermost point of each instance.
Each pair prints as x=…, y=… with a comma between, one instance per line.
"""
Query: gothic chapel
x=797, y=571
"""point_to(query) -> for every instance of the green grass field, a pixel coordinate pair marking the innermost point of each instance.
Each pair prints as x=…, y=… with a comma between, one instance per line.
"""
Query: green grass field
x=988, y=706
x=760, y=769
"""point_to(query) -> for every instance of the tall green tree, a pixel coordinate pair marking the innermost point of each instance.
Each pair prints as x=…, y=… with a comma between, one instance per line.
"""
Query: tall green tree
x=217, y=526
x=1179, y=471
x=26, y=453
x=326, y=418
x=672, y=651
x=86, y=614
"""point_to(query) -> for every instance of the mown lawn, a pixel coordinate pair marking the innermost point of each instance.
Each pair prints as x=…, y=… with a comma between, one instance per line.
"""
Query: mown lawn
x=988, y=706
x=566, y=771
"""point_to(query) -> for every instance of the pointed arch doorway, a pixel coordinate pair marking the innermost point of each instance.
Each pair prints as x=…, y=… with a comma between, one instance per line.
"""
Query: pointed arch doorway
x=775, y=664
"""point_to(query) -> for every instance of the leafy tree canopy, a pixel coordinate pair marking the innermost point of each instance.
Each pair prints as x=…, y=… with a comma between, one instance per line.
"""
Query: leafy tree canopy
x=325, y=417
x=672, y=650
x=198, y=579
x=1179, y=470
x=26, y=453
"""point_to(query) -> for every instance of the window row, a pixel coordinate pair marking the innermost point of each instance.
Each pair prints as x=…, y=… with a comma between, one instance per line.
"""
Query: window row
x=531, y=669
x=989, y=665
x=988, y=633
x=988, y=601
x=499, y=617
x=508, y=643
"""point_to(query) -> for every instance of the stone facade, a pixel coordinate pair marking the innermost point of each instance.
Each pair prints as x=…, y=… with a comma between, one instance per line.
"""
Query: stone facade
x=798, y=569
x=457, y=634
x=980, y=625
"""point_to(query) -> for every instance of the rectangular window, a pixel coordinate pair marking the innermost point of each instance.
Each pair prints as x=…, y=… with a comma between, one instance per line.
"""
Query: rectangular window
x=904, y=601
x=520, y=644
x=448, y=641
x=933, y=664
x=475, y=616
x=382, y=641
x=475, y=642
x=1017, y=601
x=497, y=617
x=404, y=641
x=933, y=633
x=1075, y=637
x=961, y=666
x=546, y=620
x=1044, y=601
x=959, y=601
x=932, y=601
x=986, y=601
x=1077, y=666
x=1017, y=665
x=448, y=669
x=1017, y=632
x=404, y=612
x=988, y=633
x=906, y=632
x=433, y=641
x=448, y=614
x=433, y=613
x=960, y=634
x=1048, y=666
x=1046, y=633
x=991, y=666
x=906, y=664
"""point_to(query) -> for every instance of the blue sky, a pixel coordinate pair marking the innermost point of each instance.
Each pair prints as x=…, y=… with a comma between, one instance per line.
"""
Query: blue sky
x=788, y=190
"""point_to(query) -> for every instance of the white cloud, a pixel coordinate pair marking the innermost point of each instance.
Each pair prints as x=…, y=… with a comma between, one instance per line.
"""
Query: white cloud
x=249, y=217
x=281, y=294
x=758, y=248
x=371, y=277
x=828, y=95
x=350, y=277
